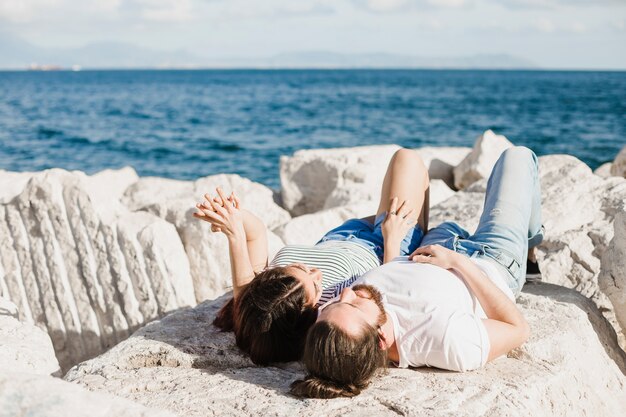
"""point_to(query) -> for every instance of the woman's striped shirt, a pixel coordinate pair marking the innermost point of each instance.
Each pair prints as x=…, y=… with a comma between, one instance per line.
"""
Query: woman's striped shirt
x=340, y=261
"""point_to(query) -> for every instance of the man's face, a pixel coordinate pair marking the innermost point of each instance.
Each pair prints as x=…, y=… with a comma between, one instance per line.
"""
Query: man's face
x=356, y=307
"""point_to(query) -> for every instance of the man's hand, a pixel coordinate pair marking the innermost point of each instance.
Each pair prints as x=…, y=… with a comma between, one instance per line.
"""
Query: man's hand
x=436, y=255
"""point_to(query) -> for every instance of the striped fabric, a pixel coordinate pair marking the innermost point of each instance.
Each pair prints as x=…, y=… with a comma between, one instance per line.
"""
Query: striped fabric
x=341, y=263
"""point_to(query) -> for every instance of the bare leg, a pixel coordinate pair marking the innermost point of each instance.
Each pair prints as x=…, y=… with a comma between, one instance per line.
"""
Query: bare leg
x=407, y=178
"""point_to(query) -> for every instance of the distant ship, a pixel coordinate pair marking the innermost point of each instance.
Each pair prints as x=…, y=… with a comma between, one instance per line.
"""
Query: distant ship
x=52, y=67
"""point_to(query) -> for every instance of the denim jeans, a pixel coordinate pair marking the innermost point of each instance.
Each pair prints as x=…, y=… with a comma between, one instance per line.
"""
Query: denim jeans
x=511, y=219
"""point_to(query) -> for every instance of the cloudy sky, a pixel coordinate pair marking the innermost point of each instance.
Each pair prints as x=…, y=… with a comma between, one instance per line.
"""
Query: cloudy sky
x=550, y=33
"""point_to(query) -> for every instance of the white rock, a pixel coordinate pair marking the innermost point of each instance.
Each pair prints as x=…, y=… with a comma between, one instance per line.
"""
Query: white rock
x=24, y=348
x=312, y=180
x=441, y=161
x=480, y=161
x=7, y=308
x=33, y=395
x=254, y=196
x=12, y=183
x=70, y=263
x=569, y=199
x=207, y=252
x=308, y=229
x=612, y=279
x=604, y=170
x=618, y=168
x=180, y=364
x=439, y=191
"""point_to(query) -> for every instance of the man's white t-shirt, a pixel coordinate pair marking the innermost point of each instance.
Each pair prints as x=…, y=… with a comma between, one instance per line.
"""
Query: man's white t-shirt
x=437, y=320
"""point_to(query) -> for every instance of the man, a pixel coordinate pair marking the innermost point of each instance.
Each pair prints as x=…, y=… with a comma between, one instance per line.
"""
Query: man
x=449, y=305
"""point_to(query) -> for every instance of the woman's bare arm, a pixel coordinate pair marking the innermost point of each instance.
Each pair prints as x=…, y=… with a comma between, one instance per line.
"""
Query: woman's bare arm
x=246, y=234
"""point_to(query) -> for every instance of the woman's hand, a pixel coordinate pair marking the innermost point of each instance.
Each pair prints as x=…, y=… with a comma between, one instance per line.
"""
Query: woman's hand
x=398, y=222
x=436, y=255
x=222, y=213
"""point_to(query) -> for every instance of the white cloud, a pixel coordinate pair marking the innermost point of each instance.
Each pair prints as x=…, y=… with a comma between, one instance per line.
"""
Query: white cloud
x=402, y=5
x=544, y=24
x=20, y=11
x=166, y=10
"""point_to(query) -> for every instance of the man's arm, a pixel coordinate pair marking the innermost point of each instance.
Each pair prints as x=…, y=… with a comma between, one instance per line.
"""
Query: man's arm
x=505, y=325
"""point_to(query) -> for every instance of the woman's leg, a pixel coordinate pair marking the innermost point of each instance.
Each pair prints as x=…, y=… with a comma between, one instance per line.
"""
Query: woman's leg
x=512, y=214
x=407, y=178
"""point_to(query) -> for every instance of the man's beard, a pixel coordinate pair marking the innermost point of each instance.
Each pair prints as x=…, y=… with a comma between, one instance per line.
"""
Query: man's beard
x=377, y=297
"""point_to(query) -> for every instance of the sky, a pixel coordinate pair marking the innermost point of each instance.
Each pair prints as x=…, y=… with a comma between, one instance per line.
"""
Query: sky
x=550, y=33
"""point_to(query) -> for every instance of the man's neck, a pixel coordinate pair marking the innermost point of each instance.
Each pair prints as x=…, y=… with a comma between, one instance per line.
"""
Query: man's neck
x=392, y=347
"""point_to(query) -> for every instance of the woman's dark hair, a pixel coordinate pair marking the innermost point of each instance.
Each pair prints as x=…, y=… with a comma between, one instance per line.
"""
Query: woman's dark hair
x=270, y=317
x=339, y=365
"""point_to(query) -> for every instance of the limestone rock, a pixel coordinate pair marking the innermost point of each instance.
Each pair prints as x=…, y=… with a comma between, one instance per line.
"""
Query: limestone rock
x=254, y=196
x=7, y=308
x=77, y=263
x=308, y=229
x=33, y=395
x=612, y=279
x=312, y=180
x=441, y=161
x=439, y=191
x=618, y=168
x=24, y=348
x=480, y=161
x=604, y=170
x=182, y=365
x=206, y=251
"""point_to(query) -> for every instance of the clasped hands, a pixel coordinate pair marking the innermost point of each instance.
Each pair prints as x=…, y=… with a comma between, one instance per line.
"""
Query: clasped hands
x=223, y=213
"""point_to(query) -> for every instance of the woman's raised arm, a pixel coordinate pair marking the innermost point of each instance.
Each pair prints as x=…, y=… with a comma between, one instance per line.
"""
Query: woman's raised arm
x=246, y=234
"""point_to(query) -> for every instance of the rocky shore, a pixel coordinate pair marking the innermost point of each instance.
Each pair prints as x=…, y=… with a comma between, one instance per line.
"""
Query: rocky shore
x=109, y=281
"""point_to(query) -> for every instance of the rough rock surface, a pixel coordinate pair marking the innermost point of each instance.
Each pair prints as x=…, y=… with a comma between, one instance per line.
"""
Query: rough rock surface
x=441, y=161
x=309, y=228
x=81, y=266
x=612, y=279
x=479, y=162
x=27, y=361
x=34, y=395
x=604, y=170
x=314, y=180
x=24, y=348
x=183, y=365
x=207, y=252
x=618, y=168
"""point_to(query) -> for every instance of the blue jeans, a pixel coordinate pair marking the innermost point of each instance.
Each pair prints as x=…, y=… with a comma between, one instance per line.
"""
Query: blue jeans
x=371, y=235
x=511, y=219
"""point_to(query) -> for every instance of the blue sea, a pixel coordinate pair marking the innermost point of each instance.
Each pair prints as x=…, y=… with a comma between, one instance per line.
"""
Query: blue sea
x=188, y=124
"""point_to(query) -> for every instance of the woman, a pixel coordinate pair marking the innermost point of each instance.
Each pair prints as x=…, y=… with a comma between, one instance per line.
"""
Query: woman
x=273, y=307
x=450, y=305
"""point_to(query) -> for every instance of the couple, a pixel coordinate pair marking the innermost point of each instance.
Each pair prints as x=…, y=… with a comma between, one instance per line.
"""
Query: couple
x=449, y=304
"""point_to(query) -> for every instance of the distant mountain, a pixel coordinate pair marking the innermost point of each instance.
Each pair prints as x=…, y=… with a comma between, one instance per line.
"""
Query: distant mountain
x=16, y=53
x=383, y=60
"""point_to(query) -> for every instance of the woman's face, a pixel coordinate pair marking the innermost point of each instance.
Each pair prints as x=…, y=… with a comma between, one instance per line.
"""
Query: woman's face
x=311, y=280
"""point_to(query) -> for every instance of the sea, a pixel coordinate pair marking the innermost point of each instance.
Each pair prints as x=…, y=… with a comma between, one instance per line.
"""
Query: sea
x=186, y=124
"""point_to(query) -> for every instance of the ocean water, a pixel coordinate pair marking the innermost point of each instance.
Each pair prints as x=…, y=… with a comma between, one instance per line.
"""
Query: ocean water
x=188, y=124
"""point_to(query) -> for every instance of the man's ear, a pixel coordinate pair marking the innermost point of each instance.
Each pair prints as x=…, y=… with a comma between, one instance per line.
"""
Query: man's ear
x=382, y=340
